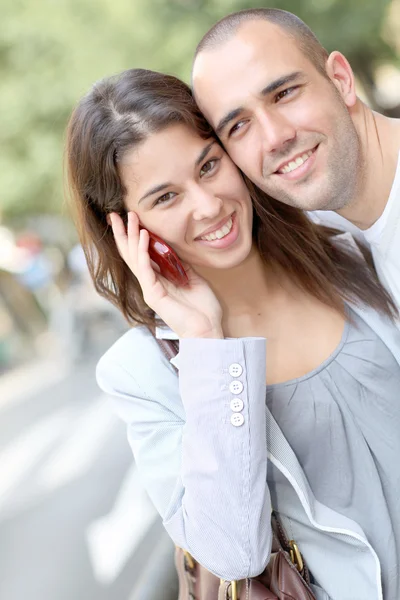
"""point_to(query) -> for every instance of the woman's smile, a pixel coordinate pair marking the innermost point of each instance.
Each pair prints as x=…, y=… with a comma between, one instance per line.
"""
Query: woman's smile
x=187, y=191
x=224, y=236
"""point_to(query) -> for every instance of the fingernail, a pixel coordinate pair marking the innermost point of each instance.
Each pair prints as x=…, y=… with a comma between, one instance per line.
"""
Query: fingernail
x=108, y=219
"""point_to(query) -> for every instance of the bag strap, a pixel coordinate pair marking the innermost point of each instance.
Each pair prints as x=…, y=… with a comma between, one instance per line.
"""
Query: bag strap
x=169, y=348
x=289, y=546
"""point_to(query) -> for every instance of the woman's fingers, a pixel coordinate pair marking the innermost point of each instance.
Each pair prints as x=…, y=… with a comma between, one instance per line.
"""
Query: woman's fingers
x=133, y=232
x=119, y=232
x=126, y=238
x=146, y=274
x=133, y=246
x=155, y=266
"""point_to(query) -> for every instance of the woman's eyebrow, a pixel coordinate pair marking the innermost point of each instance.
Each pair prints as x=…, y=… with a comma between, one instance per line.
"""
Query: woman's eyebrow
x=162, y=186
x=155, y=190
x=204, y=153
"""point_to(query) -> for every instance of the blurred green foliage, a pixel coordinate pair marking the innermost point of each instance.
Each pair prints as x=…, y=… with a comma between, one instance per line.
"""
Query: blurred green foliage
x=51, y=51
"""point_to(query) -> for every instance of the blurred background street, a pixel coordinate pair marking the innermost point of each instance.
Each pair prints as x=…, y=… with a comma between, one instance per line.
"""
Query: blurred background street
x=74, y=519
x=75, y=523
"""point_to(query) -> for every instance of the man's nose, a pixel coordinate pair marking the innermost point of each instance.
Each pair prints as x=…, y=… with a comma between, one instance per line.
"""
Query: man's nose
x=206, y=205
x=275, y=131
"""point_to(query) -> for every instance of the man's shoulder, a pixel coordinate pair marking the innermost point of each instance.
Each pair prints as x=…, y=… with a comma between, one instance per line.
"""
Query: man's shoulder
x=332, y=219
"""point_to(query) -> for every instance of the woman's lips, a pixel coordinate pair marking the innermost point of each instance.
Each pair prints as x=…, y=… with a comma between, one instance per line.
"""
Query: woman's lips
x=226, y=241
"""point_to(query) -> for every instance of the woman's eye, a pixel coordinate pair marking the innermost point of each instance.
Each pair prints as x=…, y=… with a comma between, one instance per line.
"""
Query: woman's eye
x=208, y=167
x=164, y=198
x=284, y=93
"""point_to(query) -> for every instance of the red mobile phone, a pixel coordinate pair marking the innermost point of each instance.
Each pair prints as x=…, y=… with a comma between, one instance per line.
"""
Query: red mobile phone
x=166, y=258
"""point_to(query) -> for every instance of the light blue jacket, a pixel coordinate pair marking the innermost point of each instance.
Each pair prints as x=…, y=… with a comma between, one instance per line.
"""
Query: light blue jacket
x=207, y=477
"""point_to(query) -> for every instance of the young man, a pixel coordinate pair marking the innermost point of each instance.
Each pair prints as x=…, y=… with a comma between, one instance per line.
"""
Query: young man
x=288, y=114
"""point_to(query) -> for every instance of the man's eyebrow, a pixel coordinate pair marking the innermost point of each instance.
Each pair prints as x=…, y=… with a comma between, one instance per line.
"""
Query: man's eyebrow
x=285, y=79
x=227, y=119
x=271, y=87
x=163, y=186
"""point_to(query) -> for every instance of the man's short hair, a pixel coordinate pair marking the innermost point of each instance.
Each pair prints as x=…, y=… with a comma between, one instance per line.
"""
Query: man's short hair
x=292, y=25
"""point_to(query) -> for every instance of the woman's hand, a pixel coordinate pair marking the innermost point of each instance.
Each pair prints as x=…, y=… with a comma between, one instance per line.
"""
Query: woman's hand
x=190, y=311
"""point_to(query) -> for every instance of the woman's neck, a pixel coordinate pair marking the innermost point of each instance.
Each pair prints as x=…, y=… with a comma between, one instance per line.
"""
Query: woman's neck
x=244, y=291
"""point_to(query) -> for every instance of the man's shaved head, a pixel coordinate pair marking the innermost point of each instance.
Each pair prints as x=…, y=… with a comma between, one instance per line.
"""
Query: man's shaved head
x=281, y=106
x=294, y=27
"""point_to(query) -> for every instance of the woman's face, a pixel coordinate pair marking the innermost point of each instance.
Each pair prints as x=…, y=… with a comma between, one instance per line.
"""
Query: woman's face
x=187, y=191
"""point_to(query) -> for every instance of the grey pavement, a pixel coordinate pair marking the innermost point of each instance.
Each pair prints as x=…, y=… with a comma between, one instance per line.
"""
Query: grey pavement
x=75, y=523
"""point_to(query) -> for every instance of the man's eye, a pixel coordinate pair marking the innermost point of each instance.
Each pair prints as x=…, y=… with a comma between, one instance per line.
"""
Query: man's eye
x=164, y=198
x=284, y=93
x=208, y=167
x=235, y=128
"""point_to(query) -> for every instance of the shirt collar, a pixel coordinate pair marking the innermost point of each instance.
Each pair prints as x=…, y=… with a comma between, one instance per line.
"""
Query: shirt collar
x=166, y=333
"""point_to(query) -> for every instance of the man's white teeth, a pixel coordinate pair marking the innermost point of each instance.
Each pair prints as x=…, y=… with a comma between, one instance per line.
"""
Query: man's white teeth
x=295, y=163
x=220, y=233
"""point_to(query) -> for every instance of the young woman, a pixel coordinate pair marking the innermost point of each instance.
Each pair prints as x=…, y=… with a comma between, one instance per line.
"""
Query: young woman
x=289, y=376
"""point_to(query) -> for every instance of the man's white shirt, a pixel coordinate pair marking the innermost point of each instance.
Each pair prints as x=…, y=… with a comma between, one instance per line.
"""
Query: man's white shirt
x=383, y=237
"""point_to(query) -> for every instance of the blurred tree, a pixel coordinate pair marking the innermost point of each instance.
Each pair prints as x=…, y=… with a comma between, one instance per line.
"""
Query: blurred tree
x=352, y=26
x=51, y=52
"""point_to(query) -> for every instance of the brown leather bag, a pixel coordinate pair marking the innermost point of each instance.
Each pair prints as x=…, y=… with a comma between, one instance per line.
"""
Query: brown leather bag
x=286, y=576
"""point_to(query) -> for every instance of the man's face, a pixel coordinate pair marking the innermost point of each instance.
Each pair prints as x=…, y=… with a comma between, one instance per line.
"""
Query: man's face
x=283, y=123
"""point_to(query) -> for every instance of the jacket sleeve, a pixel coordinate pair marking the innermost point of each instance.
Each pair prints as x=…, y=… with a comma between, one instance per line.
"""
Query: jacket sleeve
x=203, y=462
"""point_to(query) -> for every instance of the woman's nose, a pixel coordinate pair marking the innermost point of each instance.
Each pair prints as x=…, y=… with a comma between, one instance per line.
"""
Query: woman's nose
x=206, y=204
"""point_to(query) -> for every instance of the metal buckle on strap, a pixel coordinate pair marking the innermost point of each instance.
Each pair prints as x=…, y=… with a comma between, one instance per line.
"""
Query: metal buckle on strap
x=232, y=590
x=189, y=559
x=295, y=556
x=234, y=595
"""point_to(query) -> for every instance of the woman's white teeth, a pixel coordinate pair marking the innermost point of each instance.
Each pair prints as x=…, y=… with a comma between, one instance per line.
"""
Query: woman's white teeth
x=295, y=163
x=220, y=233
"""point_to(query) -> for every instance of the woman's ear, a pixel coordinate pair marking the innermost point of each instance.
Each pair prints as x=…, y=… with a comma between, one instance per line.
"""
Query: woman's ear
x=341, y=74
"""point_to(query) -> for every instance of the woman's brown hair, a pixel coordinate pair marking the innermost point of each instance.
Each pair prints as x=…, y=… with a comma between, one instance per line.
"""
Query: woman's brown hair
x=118, y=114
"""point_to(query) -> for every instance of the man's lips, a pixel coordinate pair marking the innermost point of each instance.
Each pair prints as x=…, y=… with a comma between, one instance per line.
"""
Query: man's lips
x=290, y=163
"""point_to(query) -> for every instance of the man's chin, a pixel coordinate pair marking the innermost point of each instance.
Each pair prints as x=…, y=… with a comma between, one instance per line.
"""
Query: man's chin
x=309, y=201
x=297, y=202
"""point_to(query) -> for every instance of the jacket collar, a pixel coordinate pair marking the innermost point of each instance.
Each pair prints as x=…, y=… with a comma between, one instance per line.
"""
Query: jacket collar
x=280, y=453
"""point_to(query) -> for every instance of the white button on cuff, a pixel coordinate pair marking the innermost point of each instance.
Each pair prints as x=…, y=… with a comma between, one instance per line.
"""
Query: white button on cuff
x=236, y=387
x=236, y=405
x=235, y=370
x=237, y=419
